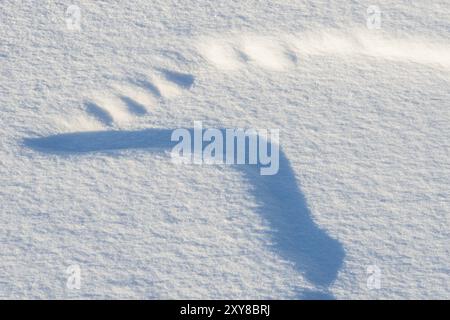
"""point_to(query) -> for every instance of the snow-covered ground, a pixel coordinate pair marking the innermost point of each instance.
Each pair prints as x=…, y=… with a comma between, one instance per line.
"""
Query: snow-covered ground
x=363, y=191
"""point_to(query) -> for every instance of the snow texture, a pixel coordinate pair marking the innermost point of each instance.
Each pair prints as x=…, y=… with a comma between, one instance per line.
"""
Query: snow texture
x=86, y=177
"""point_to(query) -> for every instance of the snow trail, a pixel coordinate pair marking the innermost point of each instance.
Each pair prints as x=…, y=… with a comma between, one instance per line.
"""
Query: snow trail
x=281, y=52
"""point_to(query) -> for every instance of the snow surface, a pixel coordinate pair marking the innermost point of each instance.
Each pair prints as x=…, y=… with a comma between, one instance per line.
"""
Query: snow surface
x=86, y=177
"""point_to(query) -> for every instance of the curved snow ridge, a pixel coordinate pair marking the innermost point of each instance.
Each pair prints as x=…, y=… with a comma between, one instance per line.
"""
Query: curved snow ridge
x=278, y=53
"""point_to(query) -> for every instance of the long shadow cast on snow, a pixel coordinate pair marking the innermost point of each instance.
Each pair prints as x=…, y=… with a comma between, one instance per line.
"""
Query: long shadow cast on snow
x=296, y=237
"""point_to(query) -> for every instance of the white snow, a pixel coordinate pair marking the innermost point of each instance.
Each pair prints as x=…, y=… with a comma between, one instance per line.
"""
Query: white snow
x=86, y=177
x=220, y=53
x=265, y=52
x=108, y=108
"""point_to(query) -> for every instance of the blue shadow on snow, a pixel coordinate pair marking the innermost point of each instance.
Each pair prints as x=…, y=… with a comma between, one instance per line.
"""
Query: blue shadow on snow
x=296, y=237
